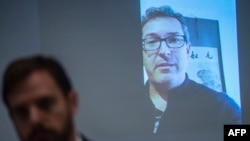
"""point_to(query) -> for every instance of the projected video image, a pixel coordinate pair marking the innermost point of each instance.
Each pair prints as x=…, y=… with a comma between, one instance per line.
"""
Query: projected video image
x=187, y=49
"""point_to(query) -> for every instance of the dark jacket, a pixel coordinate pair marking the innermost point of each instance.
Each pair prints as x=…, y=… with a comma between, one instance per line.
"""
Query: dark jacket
x=194, y=109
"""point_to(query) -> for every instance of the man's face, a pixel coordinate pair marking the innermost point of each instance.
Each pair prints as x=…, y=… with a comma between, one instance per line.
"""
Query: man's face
x=165, y=65
x=39, y=109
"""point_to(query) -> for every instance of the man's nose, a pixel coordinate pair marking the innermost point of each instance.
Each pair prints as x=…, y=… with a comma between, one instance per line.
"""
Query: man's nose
x=35, y=116
x=164, y=49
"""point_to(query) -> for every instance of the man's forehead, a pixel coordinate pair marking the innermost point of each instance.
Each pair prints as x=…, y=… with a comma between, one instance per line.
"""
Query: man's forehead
x=38, y=84
x=162, y=25
x=36, y=80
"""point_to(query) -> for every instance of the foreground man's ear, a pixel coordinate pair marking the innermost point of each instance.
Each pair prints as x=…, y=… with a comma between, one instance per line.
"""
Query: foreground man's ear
x=73, y=101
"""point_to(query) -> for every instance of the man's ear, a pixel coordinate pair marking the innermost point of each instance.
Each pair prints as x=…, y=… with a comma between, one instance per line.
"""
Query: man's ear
x=188, y=47
x=10, y=109
x=73, y=101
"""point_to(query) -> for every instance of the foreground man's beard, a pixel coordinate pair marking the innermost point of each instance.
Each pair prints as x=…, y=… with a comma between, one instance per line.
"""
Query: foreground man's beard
x=41, y=133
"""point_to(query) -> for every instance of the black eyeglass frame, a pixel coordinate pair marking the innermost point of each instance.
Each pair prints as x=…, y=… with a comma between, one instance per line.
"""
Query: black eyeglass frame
x=165, y=39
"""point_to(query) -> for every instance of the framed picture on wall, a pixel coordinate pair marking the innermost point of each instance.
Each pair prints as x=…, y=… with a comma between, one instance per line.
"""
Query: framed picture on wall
x=205, y=62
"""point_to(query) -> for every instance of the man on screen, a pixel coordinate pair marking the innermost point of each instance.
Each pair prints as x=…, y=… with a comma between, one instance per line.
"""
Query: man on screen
x=178, y=104
x=40, y=100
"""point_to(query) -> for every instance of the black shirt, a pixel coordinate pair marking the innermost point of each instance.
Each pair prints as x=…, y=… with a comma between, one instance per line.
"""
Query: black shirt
x=193, y=109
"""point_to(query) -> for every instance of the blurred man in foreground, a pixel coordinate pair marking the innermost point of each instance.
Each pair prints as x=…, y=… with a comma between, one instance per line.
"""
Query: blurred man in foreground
x=40, y=100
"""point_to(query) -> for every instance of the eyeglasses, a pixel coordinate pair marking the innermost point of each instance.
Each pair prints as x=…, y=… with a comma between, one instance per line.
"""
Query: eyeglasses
x=151, y=44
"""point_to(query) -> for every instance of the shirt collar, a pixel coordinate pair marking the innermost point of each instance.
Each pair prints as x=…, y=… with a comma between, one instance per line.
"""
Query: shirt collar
x=172, y=91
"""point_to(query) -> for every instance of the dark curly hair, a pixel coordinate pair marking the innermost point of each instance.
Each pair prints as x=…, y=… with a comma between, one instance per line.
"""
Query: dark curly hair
x=165, y=11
